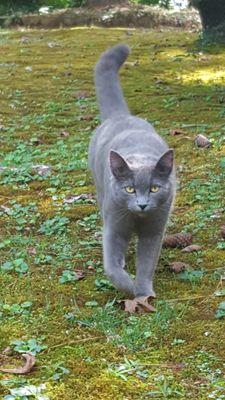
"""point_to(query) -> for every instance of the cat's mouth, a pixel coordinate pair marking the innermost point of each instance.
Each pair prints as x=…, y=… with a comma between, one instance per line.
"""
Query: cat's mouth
x=141, y=213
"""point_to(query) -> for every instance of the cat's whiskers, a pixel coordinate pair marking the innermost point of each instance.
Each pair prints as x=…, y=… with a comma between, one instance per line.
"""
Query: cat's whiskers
x=121, y=214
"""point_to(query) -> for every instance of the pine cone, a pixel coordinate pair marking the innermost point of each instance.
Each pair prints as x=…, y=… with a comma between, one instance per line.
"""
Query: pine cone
x=180, y=240
x=178, y=266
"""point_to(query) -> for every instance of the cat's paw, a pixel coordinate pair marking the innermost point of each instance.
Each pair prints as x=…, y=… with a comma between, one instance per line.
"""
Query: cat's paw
x=144, y=291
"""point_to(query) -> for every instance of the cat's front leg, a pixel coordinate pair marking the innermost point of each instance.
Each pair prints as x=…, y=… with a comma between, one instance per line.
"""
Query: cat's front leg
x=148, y=251
x=114, y=247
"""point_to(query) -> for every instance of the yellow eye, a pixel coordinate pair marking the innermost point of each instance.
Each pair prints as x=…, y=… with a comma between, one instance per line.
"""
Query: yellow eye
x=130, y=189
x=154, y=189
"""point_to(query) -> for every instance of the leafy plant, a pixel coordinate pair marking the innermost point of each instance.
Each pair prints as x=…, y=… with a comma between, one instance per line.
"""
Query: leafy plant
x=54, y=226
x=25, y=392
x=191, y=275
x=15, y=309
x=68, y=276
x=103, y=284
x=18, y=265
x=59, y=372
x=31, y=346
x=220, y=312
x=128, y=367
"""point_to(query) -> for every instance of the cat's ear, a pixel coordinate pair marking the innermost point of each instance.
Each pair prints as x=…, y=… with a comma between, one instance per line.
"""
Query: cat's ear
x=119, y=166
x=164, y=165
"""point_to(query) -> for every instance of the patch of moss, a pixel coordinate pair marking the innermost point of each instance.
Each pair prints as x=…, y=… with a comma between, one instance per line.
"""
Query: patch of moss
x=41, y=73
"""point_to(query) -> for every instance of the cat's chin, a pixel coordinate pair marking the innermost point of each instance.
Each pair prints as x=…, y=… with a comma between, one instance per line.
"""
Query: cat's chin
x=141, y=214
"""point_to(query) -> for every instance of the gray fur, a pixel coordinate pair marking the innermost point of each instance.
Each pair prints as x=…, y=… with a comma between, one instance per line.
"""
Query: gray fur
x=126, y=151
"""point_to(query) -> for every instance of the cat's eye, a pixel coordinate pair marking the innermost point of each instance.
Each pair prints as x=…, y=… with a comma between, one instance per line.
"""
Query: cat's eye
x=154, y=188
x=130, y=189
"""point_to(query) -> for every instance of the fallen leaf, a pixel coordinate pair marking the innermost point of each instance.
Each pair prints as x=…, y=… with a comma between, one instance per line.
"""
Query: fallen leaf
x=176, y=132
x=204, y=58
x=86, y=117
x=202, y=141
x=24, y=39
x=82, y=94
x=7, y=351
x=178, y=266
x=25, y=369
x=191, y=248
x=36, y=141
x=222, y=231
x=138, y=305
x=42, y=170
x=85, y=196
x=131, y=64
x=52, y=44
x=80, y=275
x=28, y=68
x=31, y=250
x=64, y=134
x=67, y=73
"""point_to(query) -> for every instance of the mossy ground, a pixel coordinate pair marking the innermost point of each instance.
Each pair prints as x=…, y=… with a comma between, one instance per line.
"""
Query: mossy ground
x=177, y=352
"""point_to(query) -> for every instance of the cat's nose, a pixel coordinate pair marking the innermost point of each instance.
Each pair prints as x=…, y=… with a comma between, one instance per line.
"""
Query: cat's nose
x=142, y=206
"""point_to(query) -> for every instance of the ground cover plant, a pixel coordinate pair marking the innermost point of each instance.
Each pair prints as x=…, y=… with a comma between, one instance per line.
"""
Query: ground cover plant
x=55, y=300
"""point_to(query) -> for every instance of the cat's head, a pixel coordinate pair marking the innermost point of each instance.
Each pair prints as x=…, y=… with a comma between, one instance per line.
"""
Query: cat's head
x=141, y=189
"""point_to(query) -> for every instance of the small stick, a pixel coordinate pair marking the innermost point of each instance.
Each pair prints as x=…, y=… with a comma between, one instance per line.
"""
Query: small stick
x=186, y=298
x=74, y=342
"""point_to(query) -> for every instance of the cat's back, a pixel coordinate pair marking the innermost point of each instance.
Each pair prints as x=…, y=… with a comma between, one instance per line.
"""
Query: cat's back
x=127, y=134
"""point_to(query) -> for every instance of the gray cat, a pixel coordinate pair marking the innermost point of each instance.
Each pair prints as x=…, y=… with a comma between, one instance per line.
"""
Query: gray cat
x=133, y=172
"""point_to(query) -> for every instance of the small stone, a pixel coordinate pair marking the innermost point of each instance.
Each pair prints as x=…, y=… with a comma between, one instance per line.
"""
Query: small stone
x=178, y=266
x=28, y=68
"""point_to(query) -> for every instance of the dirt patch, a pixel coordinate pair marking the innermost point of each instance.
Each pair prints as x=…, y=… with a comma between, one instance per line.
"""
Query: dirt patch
x=130, y=16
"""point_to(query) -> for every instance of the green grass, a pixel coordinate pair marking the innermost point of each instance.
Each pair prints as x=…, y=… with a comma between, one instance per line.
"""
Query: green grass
x=86, y=346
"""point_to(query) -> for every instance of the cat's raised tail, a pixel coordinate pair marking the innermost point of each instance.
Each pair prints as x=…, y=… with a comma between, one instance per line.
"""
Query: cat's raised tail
x=108, y=89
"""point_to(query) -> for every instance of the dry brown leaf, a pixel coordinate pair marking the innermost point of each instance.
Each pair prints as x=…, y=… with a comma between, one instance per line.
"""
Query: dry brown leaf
x=222, y=231
x=82, y=94
x=80, y=274
x=7, y=352
x=138, y=305
x=178, y=266
x=175, y=132
x=191, y=248
x=24, y=39
x=31, y=250
x=25, y=369
x=202, y=141
x=86, y=117
x=64, y=134
x=36, y=141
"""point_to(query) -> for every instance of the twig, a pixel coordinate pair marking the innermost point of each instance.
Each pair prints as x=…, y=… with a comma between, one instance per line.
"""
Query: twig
x=74, y=342
x=186, y=298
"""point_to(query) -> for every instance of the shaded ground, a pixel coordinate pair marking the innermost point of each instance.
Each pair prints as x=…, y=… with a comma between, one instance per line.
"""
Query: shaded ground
x=128, y=15
x=86, y=347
